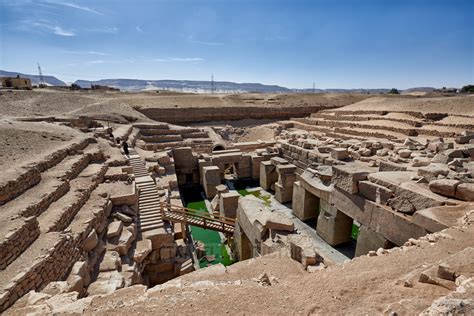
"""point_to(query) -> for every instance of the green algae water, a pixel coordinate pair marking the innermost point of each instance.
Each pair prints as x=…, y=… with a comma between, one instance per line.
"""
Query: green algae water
x=193, y=199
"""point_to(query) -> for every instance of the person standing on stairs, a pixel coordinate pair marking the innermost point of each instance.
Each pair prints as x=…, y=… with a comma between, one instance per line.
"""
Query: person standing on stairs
x=125, y=147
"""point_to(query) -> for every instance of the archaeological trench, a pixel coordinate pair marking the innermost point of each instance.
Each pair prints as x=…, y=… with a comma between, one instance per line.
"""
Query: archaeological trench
x=334, y=190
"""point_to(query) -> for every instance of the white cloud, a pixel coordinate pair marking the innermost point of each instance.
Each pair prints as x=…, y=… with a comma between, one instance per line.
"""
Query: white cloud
x=107, y=30
x=62, y=32
x=74, y=6
x=139, y=29
x=94, y=62
x=86, y=52
x=44, y=26
x=178, y=59
x=206, y=43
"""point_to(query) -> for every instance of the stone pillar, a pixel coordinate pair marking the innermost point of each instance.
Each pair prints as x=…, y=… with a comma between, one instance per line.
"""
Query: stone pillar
x=286, y=178
x=305, y=205
x=244, y=167
x=229, y=202
x=243, y=246
x=369, y=240
x=211, y=179
x=268, y=175
x=255, y=168
x=201, y=164
x=333, y=226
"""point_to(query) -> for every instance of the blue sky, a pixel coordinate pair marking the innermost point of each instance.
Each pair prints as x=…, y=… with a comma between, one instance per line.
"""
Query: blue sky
x=334, y=43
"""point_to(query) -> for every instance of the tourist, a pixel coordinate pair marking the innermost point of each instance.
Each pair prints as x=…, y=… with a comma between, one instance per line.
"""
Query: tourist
x=125, y=147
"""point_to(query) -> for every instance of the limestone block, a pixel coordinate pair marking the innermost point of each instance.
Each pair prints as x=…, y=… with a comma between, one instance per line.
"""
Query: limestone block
x=421, y=162
x=444, y=187
x=302, y=250
x=55, y=288
x=334, y=228
x=142, y=249
x=278, y=161
x=465, y=191
x=304, y=204
x=168, y=251
x=158, y=237
x=106, y=283
x=404, y=153
x=268, y=174
x=432, y=171
x=374, y=192
x=81, y=268
x=114, y=229
x=391, y=166
x=211, y=179
x=75, y=284
x=346, y=177
x=339, y=153
x=184, y=158
x=229, y=203
x=394, y=226
x=314, y=184
x=283, y=194
x=368, y=240
x=111, y=261
x=255, y=166
x=121, y=244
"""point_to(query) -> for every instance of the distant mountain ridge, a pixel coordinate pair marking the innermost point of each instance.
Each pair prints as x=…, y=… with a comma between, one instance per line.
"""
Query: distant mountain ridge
x=196, y=86
x=218, y=86
x=184, y=85
x=49, y=80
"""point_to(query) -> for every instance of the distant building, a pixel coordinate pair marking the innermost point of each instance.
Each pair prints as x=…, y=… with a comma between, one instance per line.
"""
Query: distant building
x=106, y=88
x=15, y=82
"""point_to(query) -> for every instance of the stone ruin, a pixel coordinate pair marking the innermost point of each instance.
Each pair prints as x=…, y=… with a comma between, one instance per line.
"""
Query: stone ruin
x=86, y=220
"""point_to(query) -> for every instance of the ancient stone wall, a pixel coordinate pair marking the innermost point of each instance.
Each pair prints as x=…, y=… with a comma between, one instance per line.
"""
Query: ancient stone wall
x=15, y=242
x=205, y=114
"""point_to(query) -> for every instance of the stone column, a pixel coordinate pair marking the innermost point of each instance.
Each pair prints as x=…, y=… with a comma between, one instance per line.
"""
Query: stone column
x=284, y=186
x=305, y=205
x=369, y=240
x=268, y=175
x=229, y=202
x=333, y=226
x=211, y=179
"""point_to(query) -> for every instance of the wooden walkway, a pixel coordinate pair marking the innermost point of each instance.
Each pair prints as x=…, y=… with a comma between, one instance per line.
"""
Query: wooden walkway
x=185, y=215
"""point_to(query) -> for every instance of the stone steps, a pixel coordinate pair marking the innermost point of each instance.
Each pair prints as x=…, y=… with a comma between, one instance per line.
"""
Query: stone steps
x=149, y=217
x=401, y=128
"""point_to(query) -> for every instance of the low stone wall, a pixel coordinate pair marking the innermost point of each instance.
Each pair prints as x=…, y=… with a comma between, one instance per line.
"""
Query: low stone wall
x=30, y=175
x=15, y=242
x=23, y=180
x=53, y=266
x=205, y=114
x=68, y=213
